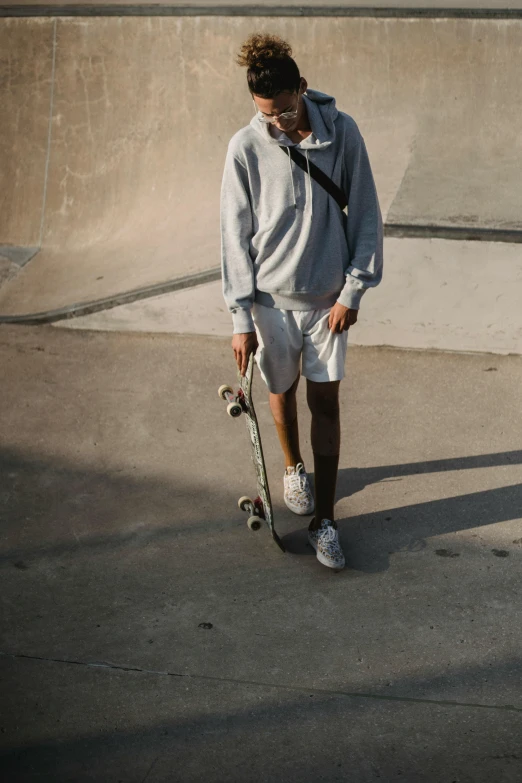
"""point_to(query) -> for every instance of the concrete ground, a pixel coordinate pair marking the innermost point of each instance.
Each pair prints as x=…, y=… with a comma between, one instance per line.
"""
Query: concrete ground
x=149, y=636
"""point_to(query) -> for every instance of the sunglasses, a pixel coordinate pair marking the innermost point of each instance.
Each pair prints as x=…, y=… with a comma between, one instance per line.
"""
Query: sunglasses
x=270, y=118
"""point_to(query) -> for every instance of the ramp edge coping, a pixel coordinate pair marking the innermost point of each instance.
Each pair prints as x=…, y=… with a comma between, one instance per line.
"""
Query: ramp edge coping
x=148, y=10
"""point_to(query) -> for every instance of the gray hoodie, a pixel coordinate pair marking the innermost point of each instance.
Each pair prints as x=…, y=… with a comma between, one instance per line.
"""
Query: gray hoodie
x=285, y=242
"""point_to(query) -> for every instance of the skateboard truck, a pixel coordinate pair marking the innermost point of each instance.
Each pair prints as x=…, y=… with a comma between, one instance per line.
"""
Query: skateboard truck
x=234, y=407
x=255, y=509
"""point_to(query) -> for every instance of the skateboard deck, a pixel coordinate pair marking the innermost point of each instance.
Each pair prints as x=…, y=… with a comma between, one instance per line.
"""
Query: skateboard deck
x=241, y=403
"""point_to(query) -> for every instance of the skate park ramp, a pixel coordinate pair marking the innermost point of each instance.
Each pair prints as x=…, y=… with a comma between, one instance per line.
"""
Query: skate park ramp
x=114, y=132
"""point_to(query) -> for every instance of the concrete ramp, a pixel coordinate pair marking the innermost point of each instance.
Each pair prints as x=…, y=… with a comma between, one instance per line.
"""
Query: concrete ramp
x=114, y=132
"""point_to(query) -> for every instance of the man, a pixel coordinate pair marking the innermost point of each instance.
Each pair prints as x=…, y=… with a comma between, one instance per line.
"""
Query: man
x=295, y=266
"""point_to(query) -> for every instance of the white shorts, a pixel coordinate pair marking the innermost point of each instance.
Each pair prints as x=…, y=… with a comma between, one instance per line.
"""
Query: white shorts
x=286, y=336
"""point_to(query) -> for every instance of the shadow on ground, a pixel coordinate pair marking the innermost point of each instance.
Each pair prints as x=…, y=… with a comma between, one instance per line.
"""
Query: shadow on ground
x=163, y=735
x=114, y=511
x=369, y=539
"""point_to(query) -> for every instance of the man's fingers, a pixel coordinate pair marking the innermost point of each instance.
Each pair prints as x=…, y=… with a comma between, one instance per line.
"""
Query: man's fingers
x=242, y=352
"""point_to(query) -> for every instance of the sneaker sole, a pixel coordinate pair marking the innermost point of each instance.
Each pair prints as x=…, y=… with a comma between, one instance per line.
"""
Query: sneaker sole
x=300, y=512
x=324, y=561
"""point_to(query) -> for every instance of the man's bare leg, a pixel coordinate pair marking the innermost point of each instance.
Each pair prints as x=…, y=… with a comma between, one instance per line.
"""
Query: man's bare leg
x=323, y=401
x=284, y=411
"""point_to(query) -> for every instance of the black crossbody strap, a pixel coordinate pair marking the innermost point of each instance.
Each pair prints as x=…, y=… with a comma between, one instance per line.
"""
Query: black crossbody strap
x=319, y=175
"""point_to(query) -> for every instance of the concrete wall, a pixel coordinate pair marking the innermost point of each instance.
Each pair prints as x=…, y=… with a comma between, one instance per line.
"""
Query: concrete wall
x=141, y=110
x=26, y=80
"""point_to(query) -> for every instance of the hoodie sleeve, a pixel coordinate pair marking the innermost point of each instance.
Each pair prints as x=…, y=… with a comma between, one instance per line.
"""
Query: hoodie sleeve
x=364, y=229
x=236, y=233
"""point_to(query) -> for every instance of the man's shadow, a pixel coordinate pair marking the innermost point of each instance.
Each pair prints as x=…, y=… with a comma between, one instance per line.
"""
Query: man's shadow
x=368, y=540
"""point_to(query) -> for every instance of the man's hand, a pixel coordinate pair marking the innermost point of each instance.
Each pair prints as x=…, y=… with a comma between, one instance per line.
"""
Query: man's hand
x=243, y=345
x=341, y=318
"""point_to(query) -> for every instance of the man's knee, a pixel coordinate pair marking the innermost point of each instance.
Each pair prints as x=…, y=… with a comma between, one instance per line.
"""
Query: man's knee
x=323, y=399
x=326, y=408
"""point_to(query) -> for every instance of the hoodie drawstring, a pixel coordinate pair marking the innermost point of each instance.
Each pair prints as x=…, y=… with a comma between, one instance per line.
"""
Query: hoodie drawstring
x=310, y=183
x=292, y=178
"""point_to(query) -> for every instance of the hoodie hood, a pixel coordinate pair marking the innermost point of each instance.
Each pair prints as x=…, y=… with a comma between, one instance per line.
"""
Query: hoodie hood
x=322, y=113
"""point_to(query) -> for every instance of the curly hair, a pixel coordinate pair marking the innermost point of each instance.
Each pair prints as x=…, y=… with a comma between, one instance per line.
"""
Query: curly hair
x=271, y=68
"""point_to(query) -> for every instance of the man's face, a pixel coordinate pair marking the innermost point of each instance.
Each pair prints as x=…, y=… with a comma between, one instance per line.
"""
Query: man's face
x=273, y=107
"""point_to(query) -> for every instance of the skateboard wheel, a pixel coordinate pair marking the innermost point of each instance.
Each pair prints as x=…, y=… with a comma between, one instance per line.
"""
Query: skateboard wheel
x=254, y=523
x=223, y=389
x=244, y=503
x=234, y=409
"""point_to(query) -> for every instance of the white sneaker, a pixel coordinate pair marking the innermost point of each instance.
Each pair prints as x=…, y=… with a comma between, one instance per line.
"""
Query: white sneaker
x=325, y=541
x=298, y=495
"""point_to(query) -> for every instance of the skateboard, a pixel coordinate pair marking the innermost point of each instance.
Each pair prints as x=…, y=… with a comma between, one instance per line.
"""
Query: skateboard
x=241, y=404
